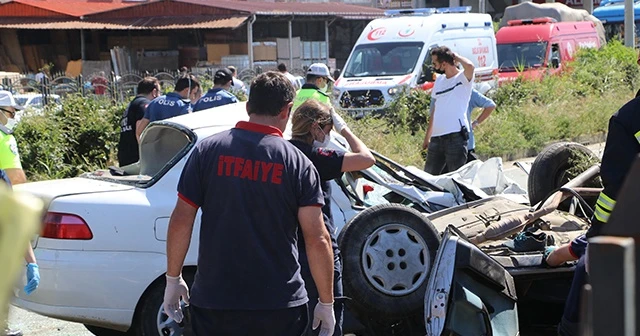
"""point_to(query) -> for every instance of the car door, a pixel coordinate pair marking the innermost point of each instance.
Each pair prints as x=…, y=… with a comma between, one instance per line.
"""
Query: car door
x=469, y=293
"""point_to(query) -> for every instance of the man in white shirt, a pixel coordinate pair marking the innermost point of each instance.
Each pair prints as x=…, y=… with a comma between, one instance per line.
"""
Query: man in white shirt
x=238, y=85
x=283, y=70
x=448, y=131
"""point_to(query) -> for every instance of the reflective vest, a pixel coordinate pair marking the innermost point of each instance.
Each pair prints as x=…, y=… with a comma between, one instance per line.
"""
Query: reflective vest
x=621, y=149
x=310, y=92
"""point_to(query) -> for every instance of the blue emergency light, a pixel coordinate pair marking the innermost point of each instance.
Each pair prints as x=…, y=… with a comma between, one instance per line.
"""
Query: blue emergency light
x=416, y=11
x=461, y=9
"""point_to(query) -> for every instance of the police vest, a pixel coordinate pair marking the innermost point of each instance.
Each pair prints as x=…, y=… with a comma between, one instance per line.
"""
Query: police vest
x=305, y=94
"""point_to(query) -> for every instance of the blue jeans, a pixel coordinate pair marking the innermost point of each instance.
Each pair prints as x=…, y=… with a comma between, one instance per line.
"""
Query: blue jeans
x=448, y=150
x=570, y=323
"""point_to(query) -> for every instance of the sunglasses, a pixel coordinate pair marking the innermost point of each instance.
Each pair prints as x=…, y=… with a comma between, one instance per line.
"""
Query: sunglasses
x=11, y=113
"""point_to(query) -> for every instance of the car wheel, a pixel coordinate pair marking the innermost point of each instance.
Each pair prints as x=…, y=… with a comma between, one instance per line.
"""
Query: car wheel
x=556, y=165
x=387, y=253
x=99, y=331
x=150, y=318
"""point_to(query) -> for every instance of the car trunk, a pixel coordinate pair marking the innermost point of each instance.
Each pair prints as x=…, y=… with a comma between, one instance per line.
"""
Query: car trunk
x=49, y=191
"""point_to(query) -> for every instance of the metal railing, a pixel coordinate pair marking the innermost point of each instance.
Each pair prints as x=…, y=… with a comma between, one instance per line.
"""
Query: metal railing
x=118, y=88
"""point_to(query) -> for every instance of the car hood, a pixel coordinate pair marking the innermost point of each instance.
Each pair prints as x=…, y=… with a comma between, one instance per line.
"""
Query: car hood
x=52, y=189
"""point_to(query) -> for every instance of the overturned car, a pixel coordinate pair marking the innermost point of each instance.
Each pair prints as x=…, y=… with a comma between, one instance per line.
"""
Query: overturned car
x=105, y=233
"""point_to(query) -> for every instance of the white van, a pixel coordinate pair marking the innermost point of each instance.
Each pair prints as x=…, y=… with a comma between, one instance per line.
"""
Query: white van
x=392, y=54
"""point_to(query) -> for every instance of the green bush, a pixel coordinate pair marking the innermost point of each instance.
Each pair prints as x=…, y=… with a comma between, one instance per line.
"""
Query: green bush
x=409, y=112
x=60, y=143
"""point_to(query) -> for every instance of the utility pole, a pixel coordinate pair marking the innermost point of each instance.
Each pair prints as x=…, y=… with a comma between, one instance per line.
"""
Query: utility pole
x=629, y=29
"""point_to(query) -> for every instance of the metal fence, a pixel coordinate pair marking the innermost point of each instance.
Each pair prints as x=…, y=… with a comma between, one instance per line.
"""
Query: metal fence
x=118, y=88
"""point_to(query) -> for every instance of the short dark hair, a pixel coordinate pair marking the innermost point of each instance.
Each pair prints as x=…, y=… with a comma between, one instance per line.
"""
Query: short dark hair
x=282, y=67
x=270, y=92
x=188, y=81
x=232, y=69
x=443, y=54
x=311, y=78
x=147, y=85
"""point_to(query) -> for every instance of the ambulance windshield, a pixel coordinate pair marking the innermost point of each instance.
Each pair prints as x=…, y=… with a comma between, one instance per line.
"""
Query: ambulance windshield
x=383, y=59
x=520, y=56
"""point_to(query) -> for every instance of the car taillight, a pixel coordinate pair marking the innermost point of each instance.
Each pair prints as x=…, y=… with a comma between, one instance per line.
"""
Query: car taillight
x=65, y=226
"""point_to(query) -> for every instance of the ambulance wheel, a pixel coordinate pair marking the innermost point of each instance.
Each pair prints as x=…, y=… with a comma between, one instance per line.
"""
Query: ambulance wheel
x=556, y=165
x=387, y=253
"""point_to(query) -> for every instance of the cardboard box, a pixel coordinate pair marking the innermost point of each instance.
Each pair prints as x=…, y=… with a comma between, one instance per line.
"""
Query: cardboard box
x=264, y=52
x=238, y=48
x=216, y=51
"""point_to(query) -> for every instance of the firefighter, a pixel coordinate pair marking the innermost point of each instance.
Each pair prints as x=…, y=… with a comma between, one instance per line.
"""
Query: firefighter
x=621, y=148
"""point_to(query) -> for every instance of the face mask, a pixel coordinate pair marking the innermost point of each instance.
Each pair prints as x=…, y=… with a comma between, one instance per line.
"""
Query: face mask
x=11, y=123
x=324, y=88
x=325, y=142
x=438, y=71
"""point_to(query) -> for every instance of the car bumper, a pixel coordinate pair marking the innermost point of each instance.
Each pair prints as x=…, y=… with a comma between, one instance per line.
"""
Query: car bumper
x=97, y=288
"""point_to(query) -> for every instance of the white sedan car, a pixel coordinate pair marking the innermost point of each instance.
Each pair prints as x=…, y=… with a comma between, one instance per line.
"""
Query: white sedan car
x=102, y=249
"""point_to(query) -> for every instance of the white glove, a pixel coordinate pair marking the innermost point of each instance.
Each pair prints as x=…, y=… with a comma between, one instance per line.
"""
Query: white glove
x=338, y=122
x=176, y=289
x=324, y=313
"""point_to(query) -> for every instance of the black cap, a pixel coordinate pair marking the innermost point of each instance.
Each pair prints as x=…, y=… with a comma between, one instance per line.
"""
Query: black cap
x=223, y=76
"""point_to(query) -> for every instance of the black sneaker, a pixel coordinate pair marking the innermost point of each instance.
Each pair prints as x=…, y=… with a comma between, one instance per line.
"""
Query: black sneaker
x=527, y=241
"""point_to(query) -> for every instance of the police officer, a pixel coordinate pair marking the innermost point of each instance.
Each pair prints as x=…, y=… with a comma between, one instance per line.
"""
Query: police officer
x=148, y=89
x=256, y=191
x=621, y=148
x=219, y=94
x=172, y=104
x=316, y=86
x=9, y=158
x=11, y=172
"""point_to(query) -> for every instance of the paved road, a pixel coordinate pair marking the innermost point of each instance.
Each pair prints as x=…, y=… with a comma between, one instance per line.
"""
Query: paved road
x=36, y=325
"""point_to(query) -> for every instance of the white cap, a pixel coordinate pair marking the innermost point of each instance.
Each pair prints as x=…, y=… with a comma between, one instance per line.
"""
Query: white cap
x=6, y=99
x=319, y=69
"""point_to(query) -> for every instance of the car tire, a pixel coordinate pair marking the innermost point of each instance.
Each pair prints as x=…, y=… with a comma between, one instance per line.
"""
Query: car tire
x=147, y=317
x=99, y=331
x=552, y=169
x=376, y=275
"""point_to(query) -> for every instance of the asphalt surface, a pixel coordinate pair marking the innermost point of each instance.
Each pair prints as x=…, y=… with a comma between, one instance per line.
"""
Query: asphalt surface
x=37, y=325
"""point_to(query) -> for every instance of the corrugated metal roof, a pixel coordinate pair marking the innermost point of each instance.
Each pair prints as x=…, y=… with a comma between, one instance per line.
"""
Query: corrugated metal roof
x=80, y=8
x=293, y=8
x=126, y=24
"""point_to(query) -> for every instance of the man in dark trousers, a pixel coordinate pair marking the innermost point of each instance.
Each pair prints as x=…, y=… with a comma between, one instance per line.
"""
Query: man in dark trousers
x=219, y=94
x=148, y=89
x=256, y=191
x=621, y=148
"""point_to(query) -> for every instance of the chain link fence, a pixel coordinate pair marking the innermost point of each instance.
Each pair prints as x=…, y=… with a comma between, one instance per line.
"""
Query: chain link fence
x=109, y=86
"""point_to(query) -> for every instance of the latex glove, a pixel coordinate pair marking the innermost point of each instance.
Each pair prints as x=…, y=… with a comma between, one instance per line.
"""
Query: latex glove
x=547, y=252
x=176, y=289
x=33, y=278
x=338, y=122
x=323, y=313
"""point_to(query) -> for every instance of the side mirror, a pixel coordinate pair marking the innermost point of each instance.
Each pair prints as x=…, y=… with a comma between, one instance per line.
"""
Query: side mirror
x=555, y=62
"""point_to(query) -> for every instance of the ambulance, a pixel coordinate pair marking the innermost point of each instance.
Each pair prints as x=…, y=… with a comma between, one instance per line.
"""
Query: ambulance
x=392, y=55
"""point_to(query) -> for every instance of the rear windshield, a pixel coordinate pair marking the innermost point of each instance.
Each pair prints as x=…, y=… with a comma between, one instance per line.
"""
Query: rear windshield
x=520, y=56
x=383, y=59
x=163, y=145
